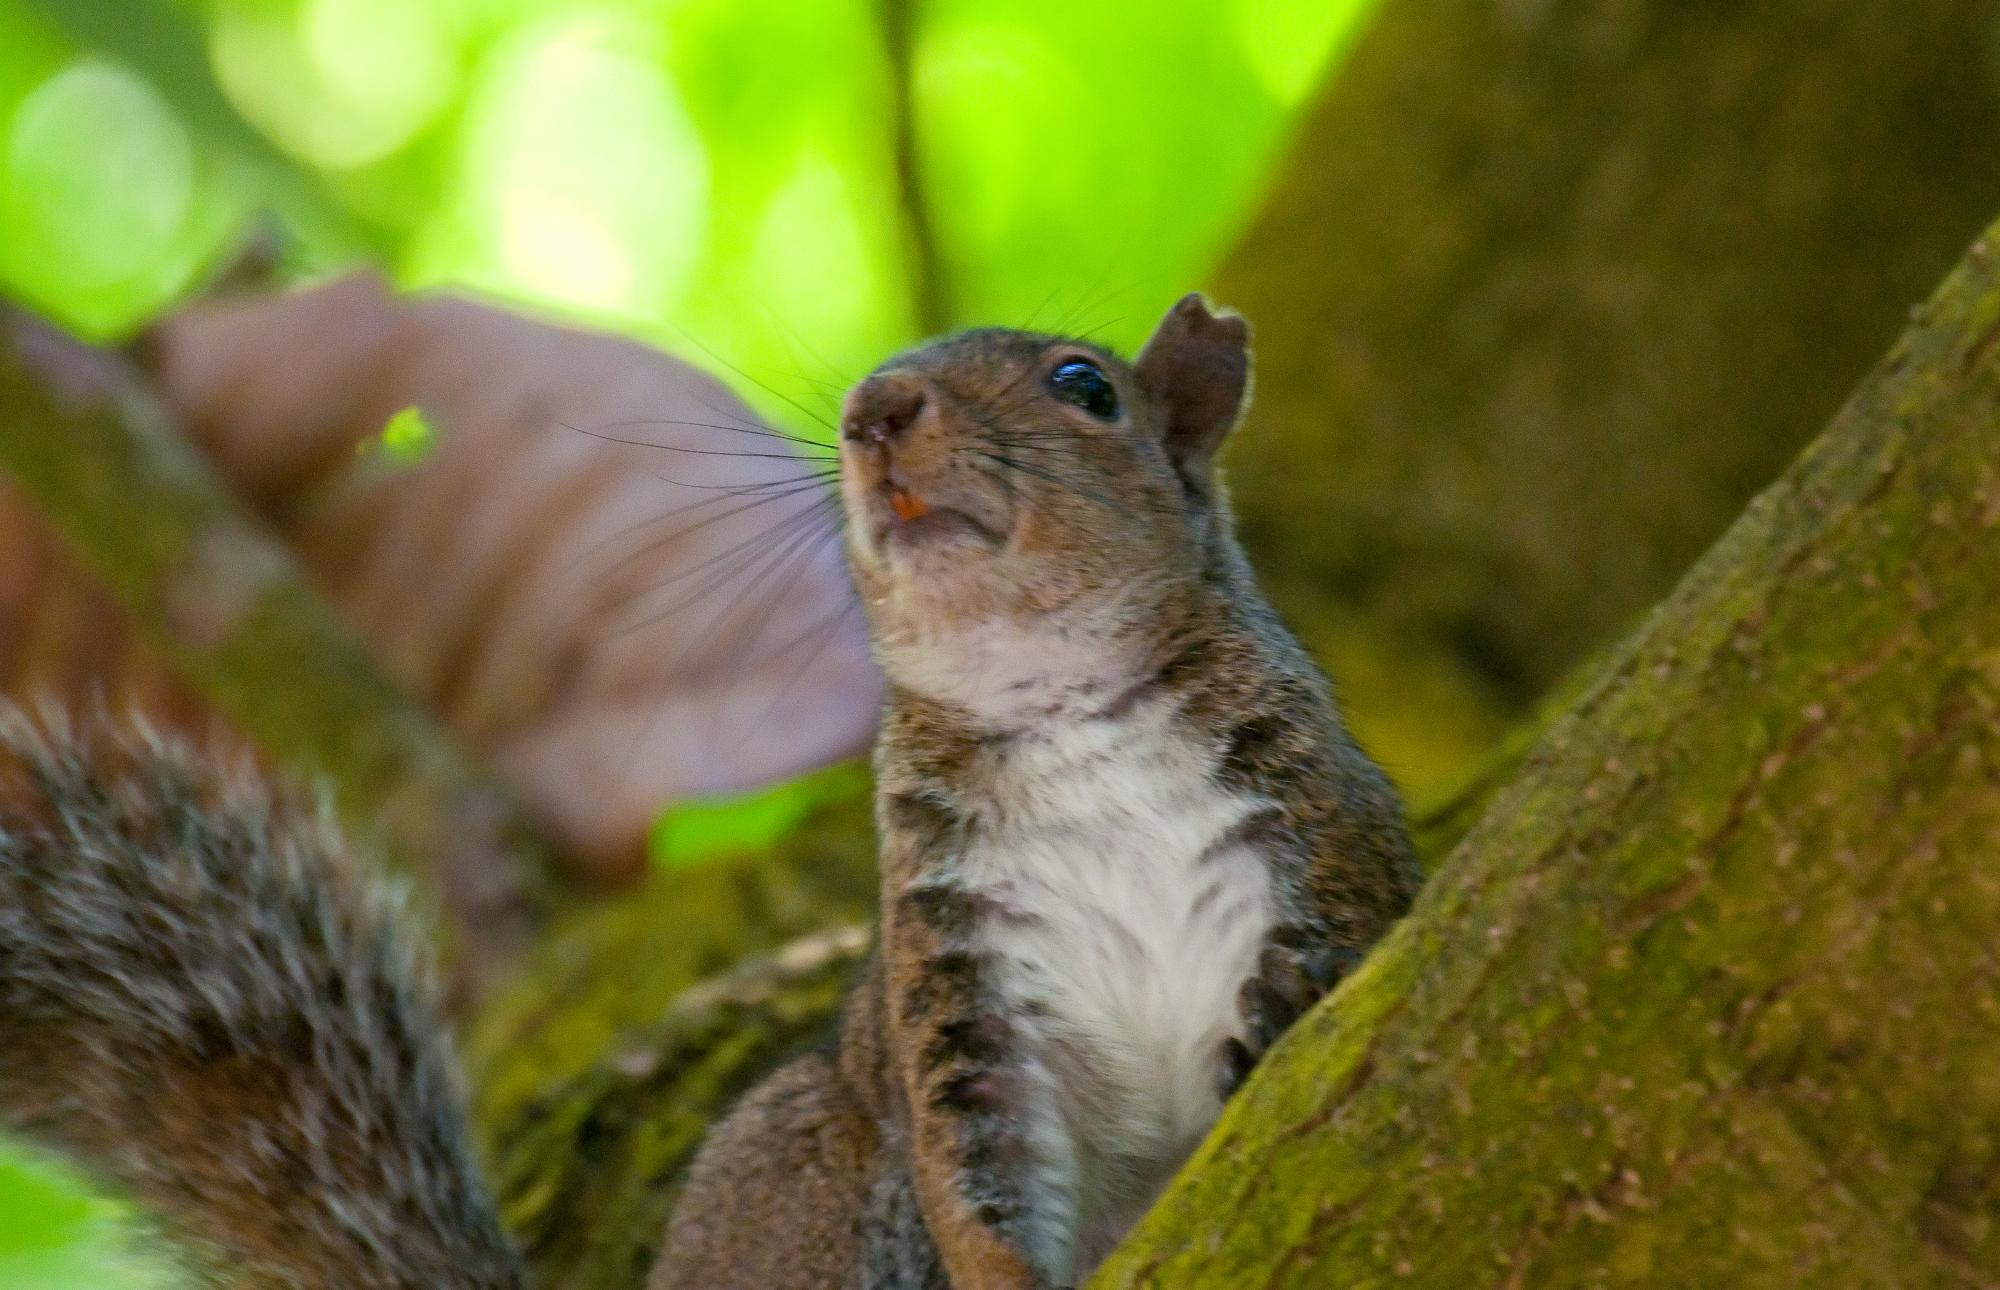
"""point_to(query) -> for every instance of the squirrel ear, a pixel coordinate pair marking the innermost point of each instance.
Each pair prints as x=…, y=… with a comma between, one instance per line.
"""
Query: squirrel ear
x=1197, y=370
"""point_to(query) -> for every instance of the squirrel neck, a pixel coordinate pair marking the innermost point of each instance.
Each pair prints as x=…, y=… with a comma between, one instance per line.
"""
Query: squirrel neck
x=1220, y=649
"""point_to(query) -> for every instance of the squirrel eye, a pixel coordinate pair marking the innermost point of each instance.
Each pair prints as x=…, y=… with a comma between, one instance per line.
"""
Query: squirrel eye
x=1084, y=384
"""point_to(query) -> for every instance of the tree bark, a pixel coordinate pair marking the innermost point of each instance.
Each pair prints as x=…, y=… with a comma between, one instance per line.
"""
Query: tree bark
x=1711, y=995
x=640, y=1021
x=1521, y=259
x=589, y=1166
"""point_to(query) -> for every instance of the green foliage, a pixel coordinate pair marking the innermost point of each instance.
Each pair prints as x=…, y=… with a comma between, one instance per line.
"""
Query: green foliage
x=406, y=438
x=1095, y=162
x=55, y=1236
x=714, y=175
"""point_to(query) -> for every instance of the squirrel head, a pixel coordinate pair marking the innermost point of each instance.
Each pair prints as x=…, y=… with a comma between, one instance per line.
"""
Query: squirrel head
x=1029, y=518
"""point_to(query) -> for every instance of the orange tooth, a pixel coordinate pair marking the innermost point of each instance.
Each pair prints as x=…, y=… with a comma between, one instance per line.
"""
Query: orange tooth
x=907, y=505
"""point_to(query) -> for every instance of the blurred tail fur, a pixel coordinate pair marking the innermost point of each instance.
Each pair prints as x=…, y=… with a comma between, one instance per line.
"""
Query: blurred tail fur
x=203, y=1003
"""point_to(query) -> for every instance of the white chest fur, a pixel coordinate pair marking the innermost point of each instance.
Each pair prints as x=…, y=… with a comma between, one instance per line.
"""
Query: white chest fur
x=1127, y=912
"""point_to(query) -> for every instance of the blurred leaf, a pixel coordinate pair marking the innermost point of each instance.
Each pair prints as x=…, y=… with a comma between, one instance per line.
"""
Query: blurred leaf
x=29, y=51
x=162, y=42
x=718, y=175
x=1126, y=154
x=606, y=575
x=582, y=182
x=690, y=833
x=56, y=1235
x=407, y=439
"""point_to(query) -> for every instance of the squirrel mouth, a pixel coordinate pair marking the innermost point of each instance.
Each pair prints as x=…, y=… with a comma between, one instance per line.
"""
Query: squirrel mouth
x=914, y=521
x=906, y=504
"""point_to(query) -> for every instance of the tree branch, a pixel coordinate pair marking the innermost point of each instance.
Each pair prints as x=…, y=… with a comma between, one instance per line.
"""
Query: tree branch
x=1709, y=995
x=225, y=604
x=642, y=1020
x=928, y=295
x=1544, y=295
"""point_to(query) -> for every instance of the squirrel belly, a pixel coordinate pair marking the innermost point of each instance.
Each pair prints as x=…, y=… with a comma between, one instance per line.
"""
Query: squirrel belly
x=1119, y=905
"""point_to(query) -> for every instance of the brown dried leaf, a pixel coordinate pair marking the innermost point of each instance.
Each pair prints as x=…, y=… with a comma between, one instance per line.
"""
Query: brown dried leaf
x=611, y=625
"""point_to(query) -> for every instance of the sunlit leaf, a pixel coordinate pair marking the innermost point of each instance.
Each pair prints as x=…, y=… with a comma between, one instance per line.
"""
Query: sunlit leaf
x=56, y=1235
x=101, y=186
x=712, y=828
x=161, y=41
x=583, y=182
x=406, y=439
x=1125, y=152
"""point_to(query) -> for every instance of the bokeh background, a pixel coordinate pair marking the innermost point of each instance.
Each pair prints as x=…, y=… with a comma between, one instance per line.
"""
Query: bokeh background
x=707, y=168
x=1545, y=290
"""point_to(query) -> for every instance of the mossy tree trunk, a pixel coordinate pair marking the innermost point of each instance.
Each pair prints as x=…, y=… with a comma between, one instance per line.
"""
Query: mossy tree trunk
x=1711, y=995
x=1547, y=291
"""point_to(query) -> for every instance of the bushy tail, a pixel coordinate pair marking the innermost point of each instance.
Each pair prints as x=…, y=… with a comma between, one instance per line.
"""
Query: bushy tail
x=202, y=1003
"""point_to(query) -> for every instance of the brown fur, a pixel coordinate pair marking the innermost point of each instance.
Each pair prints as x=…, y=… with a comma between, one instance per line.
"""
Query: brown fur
x=197, y=1005
x=1112, y=544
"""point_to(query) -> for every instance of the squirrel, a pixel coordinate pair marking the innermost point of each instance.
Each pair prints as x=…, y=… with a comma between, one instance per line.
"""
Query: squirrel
x=1125, y=841
x=1125, y=837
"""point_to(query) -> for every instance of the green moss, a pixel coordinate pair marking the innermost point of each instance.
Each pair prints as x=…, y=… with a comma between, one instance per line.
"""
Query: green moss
x=588, y=1164
x=1708, y=995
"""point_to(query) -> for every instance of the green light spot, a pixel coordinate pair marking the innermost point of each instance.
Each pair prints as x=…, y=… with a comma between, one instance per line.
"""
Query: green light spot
x=406, y=439
x=586, y=185
x=341, y=84
x=712, y=828
x=95, y=193
x=818, y=263
x=57, y=1234
x=1288, y=44
x=1001, y=169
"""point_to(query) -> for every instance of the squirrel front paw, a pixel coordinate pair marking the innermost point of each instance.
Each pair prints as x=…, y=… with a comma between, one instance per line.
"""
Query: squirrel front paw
x=1289, y=979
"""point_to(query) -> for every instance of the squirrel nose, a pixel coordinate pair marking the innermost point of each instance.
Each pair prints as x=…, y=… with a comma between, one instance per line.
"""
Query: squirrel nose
x=882, y=408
